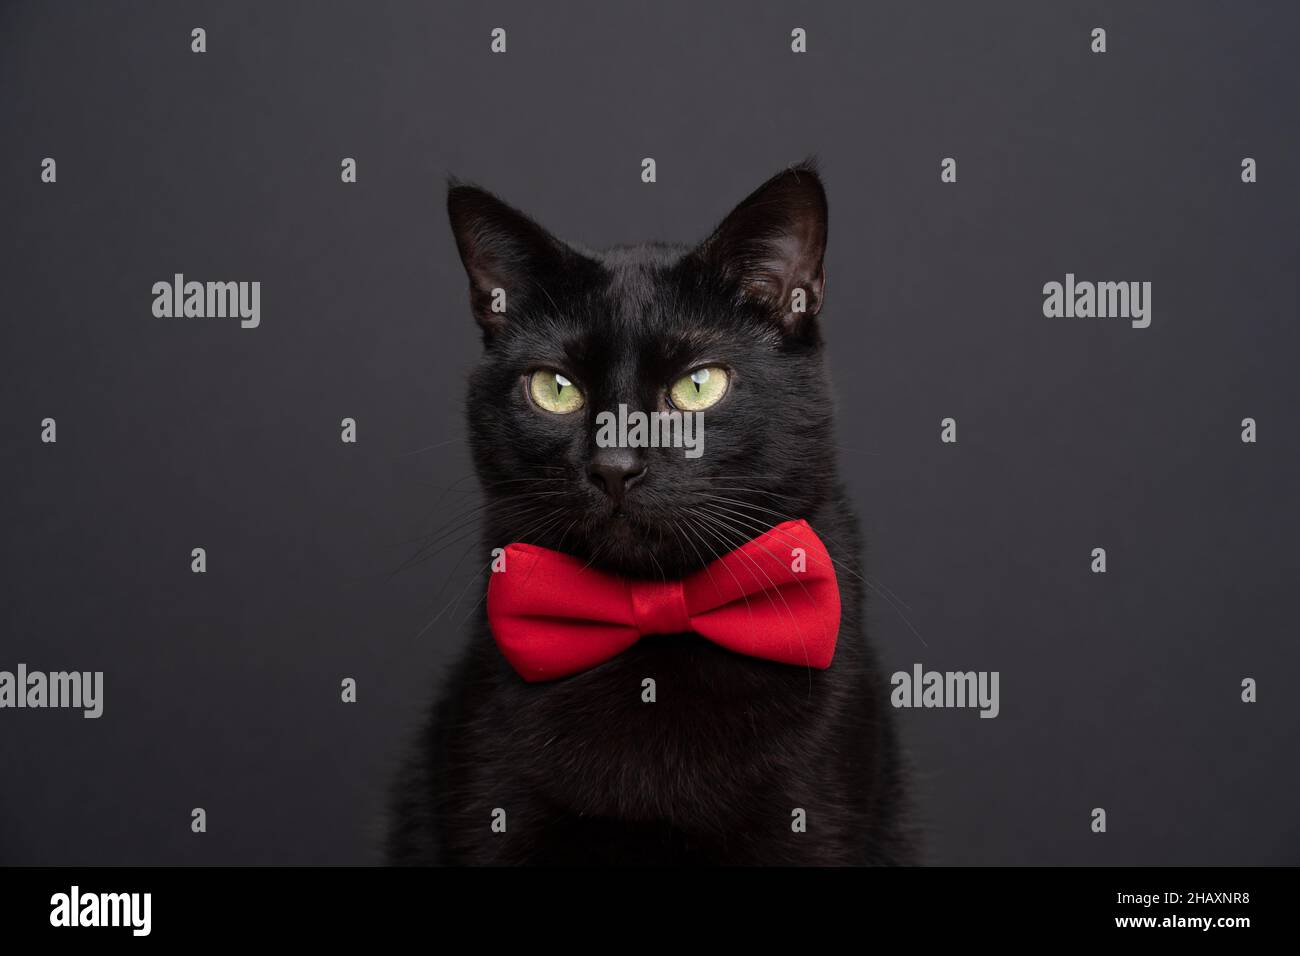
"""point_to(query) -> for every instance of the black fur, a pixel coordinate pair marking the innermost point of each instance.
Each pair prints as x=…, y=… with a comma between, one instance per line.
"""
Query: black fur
x=710, y=773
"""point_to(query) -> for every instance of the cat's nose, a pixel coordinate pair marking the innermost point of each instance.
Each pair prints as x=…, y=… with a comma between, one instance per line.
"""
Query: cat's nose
x=615, y=470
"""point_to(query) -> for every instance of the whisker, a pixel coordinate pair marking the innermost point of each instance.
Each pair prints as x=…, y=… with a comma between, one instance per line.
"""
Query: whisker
x=774, y=589
x=865, y=580
x=748, y=607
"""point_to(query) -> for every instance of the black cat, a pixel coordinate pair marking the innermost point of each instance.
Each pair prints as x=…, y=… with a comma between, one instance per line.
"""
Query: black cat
x=717, y=768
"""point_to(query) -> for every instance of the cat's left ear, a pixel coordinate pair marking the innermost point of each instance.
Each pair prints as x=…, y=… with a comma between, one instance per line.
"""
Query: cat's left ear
x=507, y=256
x=773, y=245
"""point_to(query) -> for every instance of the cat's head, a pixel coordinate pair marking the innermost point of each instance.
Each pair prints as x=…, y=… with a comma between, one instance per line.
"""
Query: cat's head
x=727, y=331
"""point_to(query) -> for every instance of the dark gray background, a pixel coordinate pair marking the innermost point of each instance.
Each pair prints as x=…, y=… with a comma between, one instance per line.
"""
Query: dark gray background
x=222, y=690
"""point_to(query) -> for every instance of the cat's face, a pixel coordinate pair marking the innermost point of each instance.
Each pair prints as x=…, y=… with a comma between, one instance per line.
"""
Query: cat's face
x=725, y=332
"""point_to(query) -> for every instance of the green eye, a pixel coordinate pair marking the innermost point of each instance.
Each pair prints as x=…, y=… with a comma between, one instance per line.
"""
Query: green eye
x=553, y=392
x=699, y=390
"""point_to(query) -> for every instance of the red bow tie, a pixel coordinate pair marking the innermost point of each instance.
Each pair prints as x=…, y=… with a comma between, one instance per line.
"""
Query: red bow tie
x=774, y=597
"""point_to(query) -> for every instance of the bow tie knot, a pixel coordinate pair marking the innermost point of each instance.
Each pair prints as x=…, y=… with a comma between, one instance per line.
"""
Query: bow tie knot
x=659, y=607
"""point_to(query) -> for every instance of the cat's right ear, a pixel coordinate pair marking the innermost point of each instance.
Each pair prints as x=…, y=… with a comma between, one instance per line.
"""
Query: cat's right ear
x=772, y=245
x=507, y=256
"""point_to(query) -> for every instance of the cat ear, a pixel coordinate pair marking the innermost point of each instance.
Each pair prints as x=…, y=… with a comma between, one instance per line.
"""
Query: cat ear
x=507, y=256
x=773, y=244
